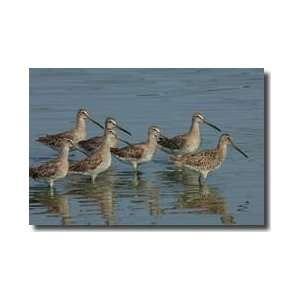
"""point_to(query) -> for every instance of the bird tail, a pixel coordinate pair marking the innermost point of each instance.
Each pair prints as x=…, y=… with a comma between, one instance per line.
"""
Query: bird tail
x=43, y=139
x=114, y=151
x=32, y=173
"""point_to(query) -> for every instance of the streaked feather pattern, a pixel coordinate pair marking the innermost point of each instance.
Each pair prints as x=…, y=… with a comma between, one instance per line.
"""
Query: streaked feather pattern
x=91, y=144
x=90, y=163
x=56, y=140
x=47, y=170
x=205, y=160
x=174, y=143
x=129, y=152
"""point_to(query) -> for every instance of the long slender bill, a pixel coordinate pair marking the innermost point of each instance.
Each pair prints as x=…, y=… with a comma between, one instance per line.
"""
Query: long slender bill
x=238, y=149
x=163, y=136
x=95, y=122
x=213, y=126
x=124, y=130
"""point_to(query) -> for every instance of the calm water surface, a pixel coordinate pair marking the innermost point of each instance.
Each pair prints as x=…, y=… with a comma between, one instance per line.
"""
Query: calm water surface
x=233, y=99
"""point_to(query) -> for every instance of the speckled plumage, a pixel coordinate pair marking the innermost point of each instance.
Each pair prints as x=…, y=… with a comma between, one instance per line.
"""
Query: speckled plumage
x=134, y=152
x=98, y=162
x=207, y=161
x=176, y=143
x=50, y=169
x=188, y=142
x=91, y=144
x=139, y=153
x=76, y=134
x=54, y=169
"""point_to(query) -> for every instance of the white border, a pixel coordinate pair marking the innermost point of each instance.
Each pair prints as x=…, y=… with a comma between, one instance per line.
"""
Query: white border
x=157, y=264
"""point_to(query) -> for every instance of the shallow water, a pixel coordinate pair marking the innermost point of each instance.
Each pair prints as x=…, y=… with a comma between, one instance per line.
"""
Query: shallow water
x=233, y=99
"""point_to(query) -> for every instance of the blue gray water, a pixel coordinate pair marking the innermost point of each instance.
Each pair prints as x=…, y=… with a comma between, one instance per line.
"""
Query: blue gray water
x=233, y=99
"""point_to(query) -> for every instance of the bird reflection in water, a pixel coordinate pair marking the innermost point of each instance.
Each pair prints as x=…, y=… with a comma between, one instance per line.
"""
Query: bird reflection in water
x=203, y=199
x=109, y=192
x=55, y=203
x=142, y=191
x=100, y=194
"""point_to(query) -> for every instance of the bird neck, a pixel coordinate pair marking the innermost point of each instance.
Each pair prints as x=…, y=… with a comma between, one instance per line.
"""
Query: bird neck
x=222, y=150
x=195, y=128
x=152, y=141
x=80, y=124
x=106, y=131
x=108, y=140
x=64, y=153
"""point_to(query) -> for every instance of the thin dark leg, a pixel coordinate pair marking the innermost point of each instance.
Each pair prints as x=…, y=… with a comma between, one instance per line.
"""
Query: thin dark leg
x=200, y=180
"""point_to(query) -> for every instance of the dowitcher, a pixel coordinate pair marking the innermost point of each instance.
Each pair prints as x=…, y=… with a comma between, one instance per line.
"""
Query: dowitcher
x=54, y=169
x=93, y=143
x=76, y=134
x=137, y=154
x=207, y=161
x=188, y=142
x=98, y=162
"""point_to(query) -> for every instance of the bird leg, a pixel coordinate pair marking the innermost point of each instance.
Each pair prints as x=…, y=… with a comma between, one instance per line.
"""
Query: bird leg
x=51, y=183
x=200, y=181
x=202, y=178
x=135, y=167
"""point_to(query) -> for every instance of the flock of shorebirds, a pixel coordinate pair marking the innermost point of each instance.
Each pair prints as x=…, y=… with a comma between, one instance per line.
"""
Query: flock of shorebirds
x=99, y=149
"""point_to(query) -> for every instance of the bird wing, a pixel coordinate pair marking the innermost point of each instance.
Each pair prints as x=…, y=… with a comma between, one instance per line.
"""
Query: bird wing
x=55, y=139
x=129, y=152
x=175, y=143
x=89, y=163
x=206, y=159
x=92, y=143
x=48, y=169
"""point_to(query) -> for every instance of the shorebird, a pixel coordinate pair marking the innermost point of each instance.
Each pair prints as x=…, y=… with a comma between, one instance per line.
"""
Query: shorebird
x=139, y=153
x=207, y=161
x=54, y=169
x=93, y=143
x=97, y=162
x=188, y=142
x=76, y=134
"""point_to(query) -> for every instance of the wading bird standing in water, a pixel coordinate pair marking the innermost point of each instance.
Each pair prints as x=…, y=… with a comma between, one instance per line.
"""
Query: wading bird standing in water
x=98, y=162
x=188, y=142
x=54, y=169
x=207, y=161
x=139, y=153
x=90, y=145
x=76, y=134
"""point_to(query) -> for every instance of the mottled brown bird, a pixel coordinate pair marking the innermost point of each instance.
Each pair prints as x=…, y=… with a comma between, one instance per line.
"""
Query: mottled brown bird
x=90, y=145
x=54, y=169
x=76, y=134
x=137, y=154
x=98, y=162
x=188, y=142
x=206, y=161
